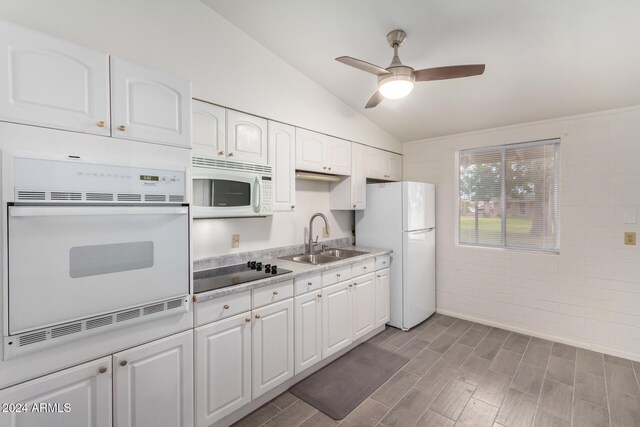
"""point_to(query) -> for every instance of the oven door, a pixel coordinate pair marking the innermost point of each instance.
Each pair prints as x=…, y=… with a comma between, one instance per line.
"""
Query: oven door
x=225, y=194
x=71, y=262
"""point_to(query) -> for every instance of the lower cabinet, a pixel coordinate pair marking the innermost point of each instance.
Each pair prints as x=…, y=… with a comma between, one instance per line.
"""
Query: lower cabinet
x=272, y=346
x=382, y=284
x=223, y=367
x=78, y=396
x=364, y=303
x=308, y=330
x=148, y=385
x=336, y=317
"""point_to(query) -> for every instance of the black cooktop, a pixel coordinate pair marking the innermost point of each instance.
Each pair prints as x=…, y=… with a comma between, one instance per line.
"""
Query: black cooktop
x=222, y=277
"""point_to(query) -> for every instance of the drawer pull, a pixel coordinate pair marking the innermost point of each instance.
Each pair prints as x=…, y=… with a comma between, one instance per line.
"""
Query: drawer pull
x=220, y=153
x=350, y=285
x=275, y=292
x=101, y=123
x=379, y=276
x=319, y=295
x=123, y=363
x=338, y=274
x=122, y=128
x=309, y=283
x=102, y=370
x=257, y=316
x=247, y=320
x=364, y=267
x=226, y=307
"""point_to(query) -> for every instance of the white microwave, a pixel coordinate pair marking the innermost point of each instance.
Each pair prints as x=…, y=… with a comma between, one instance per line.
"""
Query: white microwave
x=227, y=189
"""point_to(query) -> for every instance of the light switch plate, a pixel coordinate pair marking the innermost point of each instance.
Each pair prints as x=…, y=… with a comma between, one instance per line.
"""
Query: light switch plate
x=235, y=241
x=629, y=237
x=630, y=216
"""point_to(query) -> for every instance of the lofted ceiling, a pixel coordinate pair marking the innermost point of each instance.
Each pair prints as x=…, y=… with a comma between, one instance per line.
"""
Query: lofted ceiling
x=544, y=58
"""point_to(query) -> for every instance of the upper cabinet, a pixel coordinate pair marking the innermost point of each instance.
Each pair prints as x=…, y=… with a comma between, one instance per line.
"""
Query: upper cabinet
x=282, y=158
x=351, y=191
x=316, y=152
x=49, y=82
x=246, y=137
x=209, y=129
x=45, y=81
x=149, y=105
x=383, y=165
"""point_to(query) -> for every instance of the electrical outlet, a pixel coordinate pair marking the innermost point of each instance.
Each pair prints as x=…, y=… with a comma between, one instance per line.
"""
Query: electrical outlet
x=235, y=240
x=629, y=237
x=324, y=232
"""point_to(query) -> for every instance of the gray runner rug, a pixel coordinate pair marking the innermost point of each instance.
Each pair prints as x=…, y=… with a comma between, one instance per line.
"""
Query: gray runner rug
x=339, y=387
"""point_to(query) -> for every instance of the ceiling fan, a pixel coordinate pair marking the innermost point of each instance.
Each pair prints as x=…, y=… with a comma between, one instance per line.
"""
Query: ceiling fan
x=396, y=81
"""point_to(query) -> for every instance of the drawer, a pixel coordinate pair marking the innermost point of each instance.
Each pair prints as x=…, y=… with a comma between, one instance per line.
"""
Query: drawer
x=335, y=275
x=383, y=261
x=219, y=308
x=272, y=293
x=363, y=267
x=306, y=284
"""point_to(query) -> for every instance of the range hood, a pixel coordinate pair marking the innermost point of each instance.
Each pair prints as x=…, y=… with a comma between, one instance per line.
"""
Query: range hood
x=314, y=176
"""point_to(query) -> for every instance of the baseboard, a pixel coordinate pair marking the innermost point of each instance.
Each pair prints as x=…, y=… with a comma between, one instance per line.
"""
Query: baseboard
x=538, y=334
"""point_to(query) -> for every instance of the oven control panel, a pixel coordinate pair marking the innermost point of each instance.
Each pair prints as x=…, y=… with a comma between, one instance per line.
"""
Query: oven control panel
x=37, y=180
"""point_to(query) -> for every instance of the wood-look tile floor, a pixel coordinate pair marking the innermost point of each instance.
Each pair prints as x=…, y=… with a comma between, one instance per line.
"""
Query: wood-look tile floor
x=467, y=374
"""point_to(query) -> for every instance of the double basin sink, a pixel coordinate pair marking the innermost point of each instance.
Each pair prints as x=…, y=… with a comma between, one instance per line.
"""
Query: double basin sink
x=324, y=257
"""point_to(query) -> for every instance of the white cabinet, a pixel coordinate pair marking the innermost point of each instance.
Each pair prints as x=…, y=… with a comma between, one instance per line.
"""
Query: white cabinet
x=209, y=129
x=321, y=153
x=383, y=165
x=282, y=158
x=336, y=317
x=308, y=330
x=246, y=138
x=364, y=304
x=351, y=192
x=382, y=284
x=149, y=105
x=81, y=393
x=223, y=368
x=272, y=346
x=49, y=82
x=153, y=383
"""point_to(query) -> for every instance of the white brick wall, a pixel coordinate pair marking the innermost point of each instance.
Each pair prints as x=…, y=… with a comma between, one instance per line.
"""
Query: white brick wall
x=589, y=294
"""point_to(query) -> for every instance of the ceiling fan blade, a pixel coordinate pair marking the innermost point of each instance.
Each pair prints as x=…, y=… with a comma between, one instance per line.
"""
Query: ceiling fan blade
x=375, y=100
x=362, y=65
x=451, y=72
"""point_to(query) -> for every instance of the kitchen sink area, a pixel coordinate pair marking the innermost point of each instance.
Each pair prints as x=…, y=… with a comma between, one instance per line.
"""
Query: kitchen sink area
x=324, y=257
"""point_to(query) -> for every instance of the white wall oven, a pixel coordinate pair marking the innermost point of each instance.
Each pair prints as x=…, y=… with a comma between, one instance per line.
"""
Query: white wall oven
x=90, y=247
x=226, y=189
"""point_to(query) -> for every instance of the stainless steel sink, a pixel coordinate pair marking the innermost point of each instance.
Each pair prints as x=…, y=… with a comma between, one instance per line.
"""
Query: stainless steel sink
x=341, y=253
x=314, y=259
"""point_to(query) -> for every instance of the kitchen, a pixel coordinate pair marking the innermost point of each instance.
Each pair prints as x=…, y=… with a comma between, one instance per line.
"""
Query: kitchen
x=585, y=296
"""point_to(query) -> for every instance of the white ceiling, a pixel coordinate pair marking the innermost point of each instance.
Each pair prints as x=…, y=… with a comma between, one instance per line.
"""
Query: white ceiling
x=544, y=58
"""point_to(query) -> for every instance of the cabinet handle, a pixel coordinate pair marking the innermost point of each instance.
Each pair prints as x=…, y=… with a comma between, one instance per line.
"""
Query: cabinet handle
x=378, y=276
x=123, y=363
x=101, y=124
x=102, y=370
x=351, y=285
x=226, y=307
x=122, y=128
x=329, y=168
x=257, y=316
x=247, y=320
x=293, y=207
x=275, y=292
x=220, y=153
x=324, y=167
x=364, y=267
x=319, y=295
x=354, y=205
x=338, y=275
x=309, y=283
x=231, y=154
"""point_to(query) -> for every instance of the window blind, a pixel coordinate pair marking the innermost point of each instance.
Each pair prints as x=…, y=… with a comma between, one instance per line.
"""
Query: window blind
x=509, y=196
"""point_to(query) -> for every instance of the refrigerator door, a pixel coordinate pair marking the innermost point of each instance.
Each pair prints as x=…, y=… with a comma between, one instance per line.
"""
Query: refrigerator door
x=418, y=206
x=419, y=276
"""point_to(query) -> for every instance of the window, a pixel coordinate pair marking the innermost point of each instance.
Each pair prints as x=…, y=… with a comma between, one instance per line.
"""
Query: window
x=509, y=196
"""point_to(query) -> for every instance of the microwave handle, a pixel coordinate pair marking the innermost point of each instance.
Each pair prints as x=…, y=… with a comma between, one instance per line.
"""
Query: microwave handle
x=258, y=192
x=28, y=211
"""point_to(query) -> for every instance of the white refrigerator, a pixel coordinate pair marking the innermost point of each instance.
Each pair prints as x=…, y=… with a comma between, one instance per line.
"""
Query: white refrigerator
x=401, y=216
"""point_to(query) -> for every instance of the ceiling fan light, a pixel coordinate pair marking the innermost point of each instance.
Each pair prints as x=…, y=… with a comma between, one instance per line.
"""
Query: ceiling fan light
x=396, y=89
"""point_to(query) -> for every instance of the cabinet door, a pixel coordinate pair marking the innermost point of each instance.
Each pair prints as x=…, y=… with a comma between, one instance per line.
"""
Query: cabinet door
x=337, y=154
x=358, y=176
x=246, y=137
x=308, y=330
x=153, y=383
x=336, y=317
x=394, y=162
x=223, y=368
x=81, y=397
x=149, y=105
x=209, y=129
x=282, y=158
x=310, y=151
x=272, y=346
x=45, y=81
x=364, y=305
x=377, y=163
x=382, y=296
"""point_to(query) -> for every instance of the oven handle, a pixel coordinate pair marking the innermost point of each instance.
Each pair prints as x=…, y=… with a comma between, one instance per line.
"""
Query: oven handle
x=24, y=211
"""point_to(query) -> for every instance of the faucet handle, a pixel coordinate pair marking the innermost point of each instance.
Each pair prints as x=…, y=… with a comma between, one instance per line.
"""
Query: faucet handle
x=315, y=241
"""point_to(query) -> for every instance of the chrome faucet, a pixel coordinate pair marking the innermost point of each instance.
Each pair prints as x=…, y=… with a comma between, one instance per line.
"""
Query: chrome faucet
x=313, y=243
